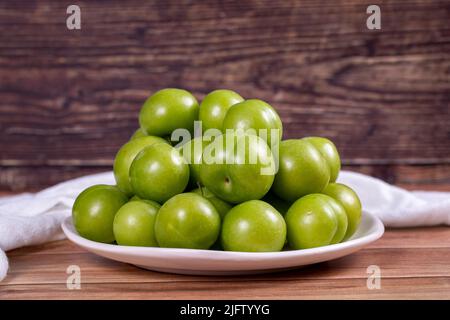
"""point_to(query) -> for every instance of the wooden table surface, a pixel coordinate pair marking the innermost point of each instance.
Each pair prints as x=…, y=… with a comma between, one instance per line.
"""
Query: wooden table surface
x=414, y=263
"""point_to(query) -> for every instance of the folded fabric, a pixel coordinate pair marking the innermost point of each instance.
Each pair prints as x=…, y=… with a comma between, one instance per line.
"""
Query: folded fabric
x=30, y=219
x=397, y=207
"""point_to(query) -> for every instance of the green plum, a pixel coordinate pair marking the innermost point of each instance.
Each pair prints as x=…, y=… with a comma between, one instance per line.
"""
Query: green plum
x=254, y=114
x=125, y=157
x=167, y=110
x=311, y=222
x=192, y=152
x=93, y=212
x=159, y=172
x=342, y=219
x=328, y=150
x=139, y=133
x=187, y=220
x=134, y=224
x=351, y=203
x=214, y=107
x=237, y=167
x=253, y=226
x=302, y=170
x=221, y=206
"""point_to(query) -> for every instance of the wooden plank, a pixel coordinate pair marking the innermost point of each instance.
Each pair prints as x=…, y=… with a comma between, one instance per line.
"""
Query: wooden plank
x=71, y=98
x=414, y=177
x=431, y=237
x=26, y=179
x=394, y=263
x=409, y=258
x=420, y=288
x=34, y=178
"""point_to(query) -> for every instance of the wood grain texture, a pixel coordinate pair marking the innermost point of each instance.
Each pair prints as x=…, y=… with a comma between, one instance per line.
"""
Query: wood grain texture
x=414, y=177
x=69, y=99
x=414, y=265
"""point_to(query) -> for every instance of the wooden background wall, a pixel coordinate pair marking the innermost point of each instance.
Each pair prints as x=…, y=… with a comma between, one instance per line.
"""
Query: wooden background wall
x=69, y=99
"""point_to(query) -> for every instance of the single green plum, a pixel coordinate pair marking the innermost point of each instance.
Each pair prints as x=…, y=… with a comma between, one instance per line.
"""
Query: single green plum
x=94, y=210
x=328, y=150
x=125, y=157
x=237, y=167
x=302, y=170
x=167, y=110
x=187, y=220
x=351, y=203
x=134, y=223
x=342, y=219
x=311, y=222
x=221, y=206
x=257, y=115
x=253, y=226
x=158, y=173
x=215, y=106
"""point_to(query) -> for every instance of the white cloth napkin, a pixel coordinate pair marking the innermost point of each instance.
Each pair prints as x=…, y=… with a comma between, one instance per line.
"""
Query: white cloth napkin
x=30, y=219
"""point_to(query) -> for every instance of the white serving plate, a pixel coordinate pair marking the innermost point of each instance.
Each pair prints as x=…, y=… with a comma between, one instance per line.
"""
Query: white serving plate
x=211, y=262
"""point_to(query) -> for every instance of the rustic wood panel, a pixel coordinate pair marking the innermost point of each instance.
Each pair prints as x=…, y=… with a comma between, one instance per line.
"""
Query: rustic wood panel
x=28, y=271
x=414, y=264
x=34, y=178
x=69, y=99
x=425, y=288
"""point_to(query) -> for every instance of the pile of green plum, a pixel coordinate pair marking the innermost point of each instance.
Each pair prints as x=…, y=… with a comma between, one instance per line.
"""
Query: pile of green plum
x=168, y=195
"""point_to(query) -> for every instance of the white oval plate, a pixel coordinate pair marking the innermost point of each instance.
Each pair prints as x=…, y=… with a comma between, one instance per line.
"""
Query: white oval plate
x=212, y=262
